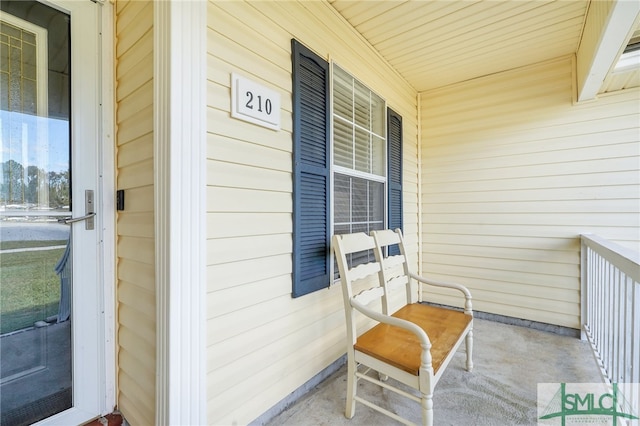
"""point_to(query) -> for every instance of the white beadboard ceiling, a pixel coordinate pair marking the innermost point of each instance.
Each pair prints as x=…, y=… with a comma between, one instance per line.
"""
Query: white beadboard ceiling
x=440, y=42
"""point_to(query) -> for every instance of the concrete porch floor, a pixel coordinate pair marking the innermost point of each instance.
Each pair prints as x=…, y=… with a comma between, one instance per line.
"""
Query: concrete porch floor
x=509, y=362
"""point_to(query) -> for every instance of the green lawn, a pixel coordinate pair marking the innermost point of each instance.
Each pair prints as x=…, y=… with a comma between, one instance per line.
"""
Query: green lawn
x=29, y=287
x=7, y=245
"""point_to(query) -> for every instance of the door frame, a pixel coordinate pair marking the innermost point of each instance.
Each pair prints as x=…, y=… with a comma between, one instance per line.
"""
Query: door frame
x=103, y=399
x=107, y=180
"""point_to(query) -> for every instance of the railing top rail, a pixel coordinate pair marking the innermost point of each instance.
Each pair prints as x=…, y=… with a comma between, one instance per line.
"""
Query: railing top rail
x=625, y=259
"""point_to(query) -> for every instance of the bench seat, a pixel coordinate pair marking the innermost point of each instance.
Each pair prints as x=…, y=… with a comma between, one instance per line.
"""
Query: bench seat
x=401, y=348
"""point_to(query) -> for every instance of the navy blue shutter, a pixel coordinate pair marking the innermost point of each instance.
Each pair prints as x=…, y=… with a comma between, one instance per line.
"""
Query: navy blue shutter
x=311, y=170
x=394, y=172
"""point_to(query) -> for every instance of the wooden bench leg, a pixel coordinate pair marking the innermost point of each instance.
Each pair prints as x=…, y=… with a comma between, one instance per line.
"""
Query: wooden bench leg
x=469, y=345
x=427, y=409
x=352, y=385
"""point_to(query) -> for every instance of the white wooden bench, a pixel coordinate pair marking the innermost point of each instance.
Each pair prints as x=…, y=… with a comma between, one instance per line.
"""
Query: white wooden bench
x=412, y=345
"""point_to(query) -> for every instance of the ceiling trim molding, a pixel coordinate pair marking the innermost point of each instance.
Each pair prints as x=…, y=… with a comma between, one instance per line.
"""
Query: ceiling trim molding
x=607, y=31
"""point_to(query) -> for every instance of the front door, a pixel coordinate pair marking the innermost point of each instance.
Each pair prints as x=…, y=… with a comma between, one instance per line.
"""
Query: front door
x=50, y=263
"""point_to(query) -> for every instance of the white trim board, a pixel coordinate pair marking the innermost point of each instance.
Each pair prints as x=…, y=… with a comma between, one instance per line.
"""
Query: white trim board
x=617, y=29
x=180, y=181
x=106, y=158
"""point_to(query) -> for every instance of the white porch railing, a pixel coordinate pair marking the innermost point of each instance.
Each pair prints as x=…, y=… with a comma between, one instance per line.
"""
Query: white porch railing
x=610, y=307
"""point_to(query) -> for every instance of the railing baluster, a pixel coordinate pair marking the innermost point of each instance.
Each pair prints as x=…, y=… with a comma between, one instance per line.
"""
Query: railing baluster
x=591, y=285
x=610, y=286
x=627, y=360
x=620, y=328
x=599, y=329
x=611, y=290
x=587, y=288
x=606, y=325
x=635, y=331
x=608, y=345
x=600, y=307
x=595, y=282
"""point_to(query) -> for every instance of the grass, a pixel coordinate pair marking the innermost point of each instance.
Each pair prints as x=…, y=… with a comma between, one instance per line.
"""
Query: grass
x=29, y=287
x=8, y=245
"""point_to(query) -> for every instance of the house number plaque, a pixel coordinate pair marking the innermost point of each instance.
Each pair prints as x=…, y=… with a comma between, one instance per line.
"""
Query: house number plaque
x=254, y=102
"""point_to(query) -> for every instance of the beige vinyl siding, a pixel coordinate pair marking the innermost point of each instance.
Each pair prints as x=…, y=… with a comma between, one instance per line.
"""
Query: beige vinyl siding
x=261, y=343
x=135, y=244
x=513, y=173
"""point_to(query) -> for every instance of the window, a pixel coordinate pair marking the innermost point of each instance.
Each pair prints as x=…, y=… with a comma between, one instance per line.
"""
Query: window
x=359, y=158
x=366, y=172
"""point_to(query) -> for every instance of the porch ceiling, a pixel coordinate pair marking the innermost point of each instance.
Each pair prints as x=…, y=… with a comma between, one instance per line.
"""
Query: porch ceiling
x=437, y=43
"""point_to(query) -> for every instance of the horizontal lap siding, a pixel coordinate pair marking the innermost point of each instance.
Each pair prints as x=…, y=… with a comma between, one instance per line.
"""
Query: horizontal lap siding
x=135, y=245
x=513, y=172
x=262, y=343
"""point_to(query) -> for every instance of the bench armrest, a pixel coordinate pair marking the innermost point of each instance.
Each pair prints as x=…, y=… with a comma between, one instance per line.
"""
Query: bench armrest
x=425, y=343
x=464, y=290
x=426, y=360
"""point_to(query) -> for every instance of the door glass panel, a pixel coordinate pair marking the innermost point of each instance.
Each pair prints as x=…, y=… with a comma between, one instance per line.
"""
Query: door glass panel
x=35, y=261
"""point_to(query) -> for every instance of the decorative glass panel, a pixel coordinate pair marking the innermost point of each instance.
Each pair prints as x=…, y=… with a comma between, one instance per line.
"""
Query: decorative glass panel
x=29, y=65
x=4, y=55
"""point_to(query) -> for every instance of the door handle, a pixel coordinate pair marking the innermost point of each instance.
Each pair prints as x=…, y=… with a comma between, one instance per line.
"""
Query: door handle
x=69, y=219
x=89, y=212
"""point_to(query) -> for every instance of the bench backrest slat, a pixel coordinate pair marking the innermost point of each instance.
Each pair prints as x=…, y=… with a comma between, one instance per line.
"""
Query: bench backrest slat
x=348, y=246
x=363, y=271
x=395, y=268
x=369, y=295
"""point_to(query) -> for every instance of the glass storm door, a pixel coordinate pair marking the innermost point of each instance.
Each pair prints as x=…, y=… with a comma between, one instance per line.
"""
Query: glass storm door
x=49, y=264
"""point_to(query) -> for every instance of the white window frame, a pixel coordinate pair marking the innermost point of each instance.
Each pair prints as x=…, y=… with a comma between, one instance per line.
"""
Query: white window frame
x=352, y=172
